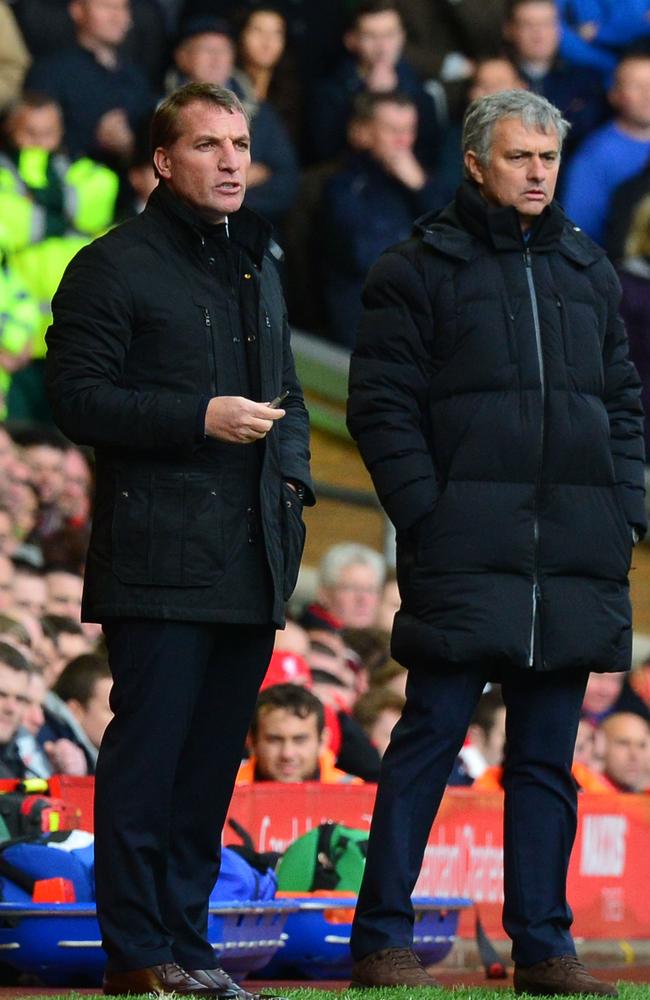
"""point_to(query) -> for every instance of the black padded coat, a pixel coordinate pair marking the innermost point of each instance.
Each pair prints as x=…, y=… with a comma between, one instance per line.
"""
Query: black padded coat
x=494, y=404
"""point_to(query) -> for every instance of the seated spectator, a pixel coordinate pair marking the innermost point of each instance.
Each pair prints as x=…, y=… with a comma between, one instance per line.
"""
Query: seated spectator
x=205, y=53
x=103, y=96
x=626, y=761
x=292, y=638
x=371, y=203
x=84, y=687
x=606, y=694
x=29, y=591
x=286, y=668
x=596, y=32
x=61, y=756
x=368, y=650
x=14, y=57
x=288, y=740
x=375, y=42
x=262, y=55
x=14, y=632
x=614, y=152
x=377, y=712
x=390, y=677
x=63, y=593
x=350, y=579
x=634, y=275
x=532, y=31
x=486, y=737
x=63, y=640
x=14, y=683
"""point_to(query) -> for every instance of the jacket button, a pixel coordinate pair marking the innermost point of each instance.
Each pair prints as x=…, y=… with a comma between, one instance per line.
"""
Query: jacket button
x=247, y=276
x=213, y=493
x=288, y=503
x=125, y=493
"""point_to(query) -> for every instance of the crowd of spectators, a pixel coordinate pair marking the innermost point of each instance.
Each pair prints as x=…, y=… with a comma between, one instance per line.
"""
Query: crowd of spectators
x=356, y=109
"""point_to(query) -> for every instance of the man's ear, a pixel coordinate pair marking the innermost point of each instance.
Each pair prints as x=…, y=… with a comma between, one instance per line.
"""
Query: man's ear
x=473, y=167
x=76, y=709
x=350, y=40
x=161, y=162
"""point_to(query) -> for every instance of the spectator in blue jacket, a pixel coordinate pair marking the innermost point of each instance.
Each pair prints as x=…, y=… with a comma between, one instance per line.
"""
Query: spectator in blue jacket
x=596, y=32
x=375, y=41
x=615, y=152
x=532, y=31
x=371, y=203
x=205, y=53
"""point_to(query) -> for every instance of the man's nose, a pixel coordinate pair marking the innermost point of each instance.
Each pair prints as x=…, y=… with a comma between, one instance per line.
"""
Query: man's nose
x=228, y=157
x=536, y=168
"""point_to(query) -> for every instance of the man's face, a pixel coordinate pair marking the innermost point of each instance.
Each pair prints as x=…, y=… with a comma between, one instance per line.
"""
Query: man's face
x=64, y=595
x=105, y=22
x=30, y=594
x=355, y=597
x=627, y=751
x=391, y=130
x=33, y=717
x=492, y=76
x=534, y=31
x=522, y=169
x=6, y=584
x=287, y=747
x=45, y=466
x=96, y=714
x=378, y=39
x=206, y=58
x=601, y=692
x=37, y=128
x=13, y=700
x=206, y=166
x=630, y=94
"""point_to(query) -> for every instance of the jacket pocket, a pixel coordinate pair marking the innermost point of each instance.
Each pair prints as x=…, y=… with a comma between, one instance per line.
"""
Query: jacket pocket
x=168, y=531
x=293, y=538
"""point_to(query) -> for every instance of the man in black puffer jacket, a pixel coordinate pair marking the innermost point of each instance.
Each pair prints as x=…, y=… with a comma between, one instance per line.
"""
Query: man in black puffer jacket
x=169, y=342
x=493, y=401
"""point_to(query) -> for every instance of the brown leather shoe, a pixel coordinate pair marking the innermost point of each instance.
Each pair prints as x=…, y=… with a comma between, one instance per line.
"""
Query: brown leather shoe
x=391, y=967
x=217, y=978
x=558, y=977
x=160, y=980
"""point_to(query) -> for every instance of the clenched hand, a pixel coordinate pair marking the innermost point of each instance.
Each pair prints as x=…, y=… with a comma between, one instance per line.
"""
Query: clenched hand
x=238, y=420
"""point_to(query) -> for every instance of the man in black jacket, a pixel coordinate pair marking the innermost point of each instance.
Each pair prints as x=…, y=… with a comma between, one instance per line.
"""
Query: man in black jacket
x=167, y=332
x=495, y=406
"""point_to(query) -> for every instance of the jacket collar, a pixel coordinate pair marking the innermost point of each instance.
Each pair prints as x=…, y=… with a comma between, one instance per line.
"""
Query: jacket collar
x=469, y=222
x=245, y=227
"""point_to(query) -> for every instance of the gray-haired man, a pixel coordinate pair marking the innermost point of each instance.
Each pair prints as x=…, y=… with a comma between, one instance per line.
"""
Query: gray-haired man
x=494, y=404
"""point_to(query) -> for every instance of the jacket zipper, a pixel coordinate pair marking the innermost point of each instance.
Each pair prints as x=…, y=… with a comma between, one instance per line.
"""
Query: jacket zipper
x=538, y=483
x=211, y=354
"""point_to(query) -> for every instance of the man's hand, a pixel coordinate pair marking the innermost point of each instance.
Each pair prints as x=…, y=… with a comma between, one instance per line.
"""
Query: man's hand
x=381, y=77
x=257, y=174
x=114, y=134
x=66, y=758
x=403, y=165
x=238, y=420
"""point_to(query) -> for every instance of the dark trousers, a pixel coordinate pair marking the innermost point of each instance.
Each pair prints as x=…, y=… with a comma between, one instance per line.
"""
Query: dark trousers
x=183, y=696
x=542, y=713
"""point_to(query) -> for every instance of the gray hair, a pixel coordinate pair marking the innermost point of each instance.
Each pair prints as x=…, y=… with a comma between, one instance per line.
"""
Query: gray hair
x=482, y=115
x=339, y=557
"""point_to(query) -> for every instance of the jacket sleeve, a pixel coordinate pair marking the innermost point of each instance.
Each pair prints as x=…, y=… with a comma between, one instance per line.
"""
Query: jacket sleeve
x=294, y=427
x=622, y=397
x=88, y=345
x=389, y=375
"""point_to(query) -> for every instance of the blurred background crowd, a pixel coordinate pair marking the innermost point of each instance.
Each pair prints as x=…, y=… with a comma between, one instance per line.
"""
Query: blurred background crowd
x=356, y=112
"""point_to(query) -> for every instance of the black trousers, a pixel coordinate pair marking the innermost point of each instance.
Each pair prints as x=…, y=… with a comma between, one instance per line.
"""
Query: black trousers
x=542, y=714
x=183, y=696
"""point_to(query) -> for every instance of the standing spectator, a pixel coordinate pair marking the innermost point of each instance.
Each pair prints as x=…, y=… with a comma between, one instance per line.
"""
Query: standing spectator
x=205, y=53
x=103, y=96
x=167, y=332
x=497, y=565
x=262, y=55
x=532, y=30
x=14, y=57
x=626, y=761
x=614, y=152
x=375, y=41
x=370, y=203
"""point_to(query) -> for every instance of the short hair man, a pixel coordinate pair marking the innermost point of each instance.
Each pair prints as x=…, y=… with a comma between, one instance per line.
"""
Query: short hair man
x=169, y=342
x=64, y=591
x=288, y=739
x=84, y=687
x=494, y=403
x=613, y=153
x=626, y=761
x=350, y=578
